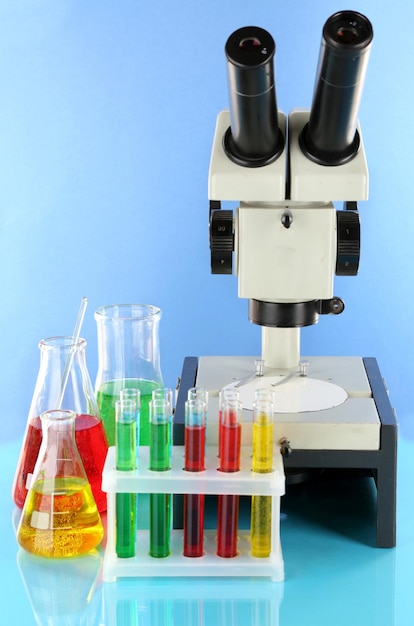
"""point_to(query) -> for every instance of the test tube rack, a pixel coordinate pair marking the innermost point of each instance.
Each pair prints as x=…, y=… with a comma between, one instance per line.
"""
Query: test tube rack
x=208, y=482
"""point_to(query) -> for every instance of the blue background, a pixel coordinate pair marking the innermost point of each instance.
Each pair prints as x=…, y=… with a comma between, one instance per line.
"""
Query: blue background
x=107, y=114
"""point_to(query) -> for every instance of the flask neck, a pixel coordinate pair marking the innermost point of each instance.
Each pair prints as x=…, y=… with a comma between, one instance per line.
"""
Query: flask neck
x=128, y=343
x=58, y=387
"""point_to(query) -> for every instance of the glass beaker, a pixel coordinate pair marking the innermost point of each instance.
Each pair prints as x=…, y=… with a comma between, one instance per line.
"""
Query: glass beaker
x=128, y=357
x=78, y=397
x=60, y=517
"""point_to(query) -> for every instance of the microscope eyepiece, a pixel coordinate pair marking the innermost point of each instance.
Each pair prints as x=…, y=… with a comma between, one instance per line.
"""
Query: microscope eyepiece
x=254, y=138
x=331, y=137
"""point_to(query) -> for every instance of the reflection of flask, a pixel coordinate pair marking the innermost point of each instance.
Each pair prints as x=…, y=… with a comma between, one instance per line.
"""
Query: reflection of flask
x=60, y=517
x=128, y=352
x=78, y=397
x=62, y=592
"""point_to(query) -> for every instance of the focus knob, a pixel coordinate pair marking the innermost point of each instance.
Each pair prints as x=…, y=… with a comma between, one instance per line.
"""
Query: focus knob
x=221, y=241
x=348, y=243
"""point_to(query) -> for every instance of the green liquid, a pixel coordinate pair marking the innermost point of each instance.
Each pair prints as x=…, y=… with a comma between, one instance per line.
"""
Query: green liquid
x=126, y=446
x=108, y=395
x=125, y=524
x=126, y=503
x=160, y=523
x=160, y=446
x=160, y=503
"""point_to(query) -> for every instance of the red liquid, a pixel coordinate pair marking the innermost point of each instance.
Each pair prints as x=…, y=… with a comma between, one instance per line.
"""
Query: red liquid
x=193, y=524
x=228, y=519
x=195, y=444
x=220, y=435
x=230, y=448
x=92, y=445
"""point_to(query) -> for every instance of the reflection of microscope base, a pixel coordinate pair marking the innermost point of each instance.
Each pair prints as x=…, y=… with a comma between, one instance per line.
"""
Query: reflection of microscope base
x=360, y=433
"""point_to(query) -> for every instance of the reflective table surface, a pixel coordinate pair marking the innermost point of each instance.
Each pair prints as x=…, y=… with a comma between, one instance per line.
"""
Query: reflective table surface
x=334, y=574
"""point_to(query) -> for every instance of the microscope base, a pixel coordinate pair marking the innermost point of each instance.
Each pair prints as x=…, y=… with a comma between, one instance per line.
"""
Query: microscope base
x=359, y=434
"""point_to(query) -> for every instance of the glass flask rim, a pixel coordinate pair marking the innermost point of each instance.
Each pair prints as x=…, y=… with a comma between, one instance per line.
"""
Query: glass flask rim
x=114, y=312
x=58, y=415
x=62, y=342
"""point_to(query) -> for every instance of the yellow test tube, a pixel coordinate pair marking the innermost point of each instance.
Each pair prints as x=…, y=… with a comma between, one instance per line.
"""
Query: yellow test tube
x=262, y=463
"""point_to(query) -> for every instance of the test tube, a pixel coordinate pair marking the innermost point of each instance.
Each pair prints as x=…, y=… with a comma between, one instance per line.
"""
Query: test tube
x=135, y=395
x=160, y=419
x=198, y=393
x=226, y=393
x=194, y=446
x=162, y=393
x=264, y=393
x=165, y=394
x=228, y=505
x=126, y=444
x=262, y=463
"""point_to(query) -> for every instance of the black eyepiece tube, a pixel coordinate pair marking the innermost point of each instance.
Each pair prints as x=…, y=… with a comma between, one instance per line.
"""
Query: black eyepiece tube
x=254, y=138
x=331, y=137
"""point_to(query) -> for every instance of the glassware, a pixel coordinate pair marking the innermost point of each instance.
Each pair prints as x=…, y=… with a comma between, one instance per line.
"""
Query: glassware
x=160, y=416
x=129, y=357
x=194, y=458
x=262, y=463
x=228, y=505
x=225, y=394
x=60, y=518
x=126, y=458
x=79, y=397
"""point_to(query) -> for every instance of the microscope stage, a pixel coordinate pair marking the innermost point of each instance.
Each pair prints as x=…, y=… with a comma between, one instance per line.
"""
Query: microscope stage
x=331, y=408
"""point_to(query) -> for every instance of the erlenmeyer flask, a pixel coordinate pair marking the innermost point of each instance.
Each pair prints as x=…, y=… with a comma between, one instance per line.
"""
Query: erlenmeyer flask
x=129, y=357
x=78, y=397
x=60, y=517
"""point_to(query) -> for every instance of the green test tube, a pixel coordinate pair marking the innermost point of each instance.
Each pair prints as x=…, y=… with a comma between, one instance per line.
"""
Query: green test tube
x=126, y=413
x=160, y=421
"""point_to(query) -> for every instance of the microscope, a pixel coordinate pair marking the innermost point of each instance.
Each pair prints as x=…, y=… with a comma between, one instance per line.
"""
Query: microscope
x=285, y=243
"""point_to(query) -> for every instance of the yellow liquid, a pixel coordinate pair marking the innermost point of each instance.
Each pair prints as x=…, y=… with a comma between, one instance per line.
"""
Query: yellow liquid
x=60, y=519
x=261, y=526
x=262, y=460
x=261, y=513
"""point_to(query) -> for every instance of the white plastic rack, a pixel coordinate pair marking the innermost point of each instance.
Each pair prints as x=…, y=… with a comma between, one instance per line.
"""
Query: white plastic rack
x=209, y=482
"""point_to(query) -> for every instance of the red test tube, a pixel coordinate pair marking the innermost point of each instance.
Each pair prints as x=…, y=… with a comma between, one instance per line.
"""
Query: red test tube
x=228, y=505
x=226, y=393
x=194, y=446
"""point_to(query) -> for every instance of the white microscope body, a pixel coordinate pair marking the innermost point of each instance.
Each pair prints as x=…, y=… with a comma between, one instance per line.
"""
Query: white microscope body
x=285, y=250
x=286, y=242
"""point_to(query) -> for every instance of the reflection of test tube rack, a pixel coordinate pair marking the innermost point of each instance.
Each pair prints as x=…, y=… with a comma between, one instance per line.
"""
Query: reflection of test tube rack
x=208, y=482
x=190, y=604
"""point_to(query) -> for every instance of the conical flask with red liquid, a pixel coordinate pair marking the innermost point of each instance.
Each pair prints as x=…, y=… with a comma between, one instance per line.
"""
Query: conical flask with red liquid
x=78, y=396
x=60, y=518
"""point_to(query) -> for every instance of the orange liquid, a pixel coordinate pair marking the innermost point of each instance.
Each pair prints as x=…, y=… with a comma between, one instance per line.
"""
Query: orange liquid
x=60, y=519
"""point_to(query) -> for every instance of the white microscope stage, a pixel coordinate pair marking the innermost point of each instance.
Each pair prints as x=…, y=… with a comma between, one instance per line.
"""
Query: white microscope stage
x=329, y=409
